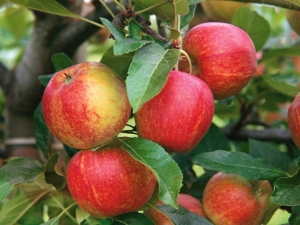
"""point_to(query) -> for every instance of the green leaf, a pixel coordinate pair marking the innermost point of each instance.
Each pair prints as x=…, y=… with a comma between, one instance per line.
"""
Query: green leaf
x=53, y=221
x=115, y=32
x=186, y=19
x=50, y=6
x=281, y=86
x=132, y=219
x=183, y=216
x=287, y=190
x=167, y=172
x=5, y=188
x=94, y=221
x=270, y=154
x=119, y=63
x=17, y=171
x=42, y=134
x=135, y=31
x=44, y=79
x=270, y=54
x=61, y=61
x=255, y=25
x=51, y=176
x=295, y=2
x=295, y=217
x=239, y=163
x=148, y=72
x=128, y=45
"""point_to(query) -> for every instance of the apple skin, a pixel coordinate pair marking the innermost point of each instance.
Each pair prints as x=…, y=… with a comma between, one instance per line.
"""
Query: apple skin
x=86, y=105
x=179, y=116
x=187, y=201
x=293, y=18
x=293, y=119
x=222, y=55
x=108, y=182
x=221, y=11
x=230, y=199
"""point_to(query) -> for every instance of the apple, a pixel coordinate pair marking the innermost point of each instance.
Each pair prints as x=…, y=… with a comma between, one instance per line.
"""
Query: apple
x=232, y=199
x=222, y=55
x=187, y=201
x=109, y=181
x=293, y=18
x=85, y=105
x=221, y=11
x=293, y=119
x=179, y=116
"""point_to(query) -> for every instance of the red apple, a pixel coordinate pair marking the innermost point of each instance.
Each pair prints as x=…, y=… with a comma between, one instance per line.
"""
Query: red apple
x=221, y=11
x=109, y=182
x=293, y=120
x=86, y=105
x=189, y=202
x=293, y=18
x=230, y=199
x=222, y=55
x=179, y=116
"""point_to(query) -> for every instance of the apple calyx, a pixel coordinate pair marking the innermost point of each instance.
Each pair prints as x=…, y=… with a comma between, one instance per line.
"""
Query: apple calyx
x=67, y=77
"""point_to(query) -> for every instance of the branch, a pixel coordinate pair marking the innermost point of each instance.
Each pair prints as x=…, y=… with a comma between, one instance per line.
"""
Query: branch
x=279, y=3
x=3, y=74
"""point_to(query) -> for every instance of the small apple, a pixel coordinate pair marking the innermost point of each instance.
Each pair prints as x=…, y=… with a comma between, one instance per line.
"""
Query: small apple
x=232, y=199
x=293, y=120
x=86, y=105
x=179, y=116
x=222, y=55
x=221, y=11
x=293, y=18
x=189, y=202
x=108, y=182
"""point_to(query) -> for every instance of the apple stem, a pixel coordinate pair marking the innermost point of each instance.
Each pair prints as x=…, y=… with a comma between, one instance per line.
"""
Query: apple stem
x=188, y=59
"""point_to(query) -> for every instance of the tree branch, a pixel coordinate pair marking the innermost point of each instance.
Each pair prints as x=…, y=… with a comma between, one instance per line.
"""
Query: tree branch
x=3, y=74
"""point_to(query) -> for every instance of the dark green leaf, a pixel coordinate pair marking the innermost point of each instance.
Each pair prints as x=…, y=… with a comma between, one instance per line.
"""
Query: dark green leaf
x=174, y=33
x=163, y=166
x=128, y=45
x=95, y=221
x=239, y=163
x=268, y=152
x=135, y=31
x=132, y=219
x=148, y=72
x=183, y=216
x=281, y=86
x=41, y=131
x=53, y=221
x=186, y=19
x=270, y=54
x=17, y=171
x=287, y=190
x=61, y=61
x=115, y=32
x=51, y=176
x=44, y=79
x=254, y=24
x=119, y=63
x=295, y=217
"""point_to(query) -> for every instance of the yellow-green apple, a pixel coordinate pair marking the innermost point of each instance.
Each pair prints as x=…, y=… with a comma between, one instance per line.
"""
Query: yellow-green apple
x=187, y=201
x=293, y=17
x=222, y=55
x=86, y=105
x=293, y=120
x=179, y=116
x=229, y=199
x=109, y=181
x=221, y=11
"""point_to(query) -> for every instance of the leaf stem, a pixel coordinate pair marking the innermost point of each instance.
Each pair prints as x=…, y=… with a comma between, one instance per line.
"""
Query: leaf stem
x=107, y=8
x=120, y=5
x=188, y=59
x=151, y=7
x=66, y=209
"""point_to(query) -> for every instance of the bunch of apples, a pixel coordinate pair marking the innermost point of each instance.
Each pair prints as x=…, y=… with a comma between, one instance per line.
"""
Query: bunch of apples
x=86, y=106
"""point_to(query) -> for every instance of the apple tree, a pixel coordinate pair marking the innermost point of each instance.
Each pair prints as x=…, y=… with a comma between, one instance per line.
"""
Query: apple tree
x=219, y=101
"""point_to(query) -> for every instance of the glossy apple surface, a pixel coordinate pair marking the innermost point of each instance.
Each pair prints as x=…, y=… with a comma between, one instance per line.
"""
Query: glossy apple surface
x=221, y=11
x=179, y=116
x=234, y=200
x=109, y=182
x=189, y=202
x=85, y=105
x=293, y=120
x=222, y=55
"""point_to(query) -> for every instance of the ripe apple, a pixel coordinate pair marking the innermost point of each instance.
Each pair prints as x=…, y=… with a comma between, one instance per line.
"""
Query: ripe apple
x=108, y=182
x=86, y=105
x=189, y=202
x=293, y=120
x=222, y=55
x=179, y=116
x=221, y=11
x=232, y=199
x=293, y=17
